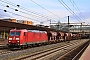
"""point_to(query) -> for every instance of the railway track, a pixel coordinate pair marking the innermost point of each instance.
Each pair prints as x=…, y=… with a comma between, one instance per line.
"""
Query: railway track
x=8, y=54
x=75, y=53
x=3, y=47
x=54, y=53
x=5, y=52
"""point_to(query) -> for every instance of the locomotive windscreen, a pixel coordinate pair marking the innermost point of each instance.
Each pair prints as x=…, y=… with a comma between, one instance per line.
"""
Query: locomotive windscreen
x=13, y=33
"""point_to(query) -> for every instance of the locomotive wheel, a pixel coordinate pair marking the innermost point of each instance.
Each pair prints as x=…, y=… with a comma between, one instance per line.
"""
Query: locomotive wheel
x=22, y=47
x=30, y=45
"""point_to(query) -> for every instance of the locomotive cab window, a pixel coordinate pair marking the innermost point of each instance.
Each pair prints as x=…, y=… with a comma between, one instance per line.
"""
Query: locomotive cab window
x=13, y=33
x=17, y=34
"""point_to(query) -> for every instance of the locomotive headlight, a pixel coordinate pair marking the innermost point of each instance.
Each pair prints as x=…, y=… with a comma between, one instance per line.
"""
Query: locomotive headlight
x=17, y=38
x=9, y=41
x=10, y=38
x=17, y=41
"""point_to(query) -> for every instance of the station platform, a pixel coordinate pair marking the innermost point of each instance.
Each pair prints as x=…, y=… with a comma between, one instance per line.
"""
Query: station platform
x=86, y=54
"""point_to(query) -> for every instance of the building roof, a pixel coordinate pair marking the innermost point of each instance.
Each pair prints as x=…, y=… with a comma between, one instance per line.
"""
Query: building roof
x=7, y=25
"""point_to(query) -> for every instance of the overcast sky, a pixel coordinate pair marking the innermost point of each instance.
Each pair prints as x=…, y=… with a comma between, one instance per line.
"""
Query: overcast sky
x=79, y=10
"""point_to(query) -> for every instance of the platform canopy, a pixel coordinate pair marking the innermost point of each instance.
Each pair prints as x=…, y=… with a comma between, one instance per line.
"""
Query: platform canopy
x=7, y=25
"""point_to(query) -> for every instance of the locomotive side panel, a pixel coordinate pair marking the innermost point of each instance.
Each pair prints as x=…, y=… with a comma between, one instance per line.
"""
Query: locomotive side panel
x=29, y=38
x=44, y=37
x=36, y=37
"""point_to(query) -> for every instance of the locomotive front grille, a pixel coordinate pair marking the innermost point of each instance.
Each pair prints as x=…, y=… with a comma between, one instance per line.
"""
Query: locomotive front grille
x=13, y=45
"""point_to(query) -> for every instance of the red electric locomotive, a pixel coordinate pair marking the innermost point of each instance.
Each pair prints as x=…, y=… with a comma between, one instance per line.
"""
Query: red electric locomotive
x=23, y=38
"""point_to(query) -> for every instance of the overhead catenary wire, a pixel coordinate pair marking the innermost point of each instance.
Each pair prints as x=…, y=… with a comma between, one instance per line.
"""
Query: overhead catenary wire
x=7, y=17
x=18, y=14
x=45, y=8
x=69, y=9
x=4, y=15
x=76, y=7
x=23, y=12
x=10, y=3
x=25, y=9
x=17, y=10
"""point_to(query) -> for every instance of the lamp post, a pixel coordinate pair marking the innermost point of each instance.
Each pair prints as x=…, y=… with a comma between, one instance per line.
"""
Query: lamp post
x=69, y=29
x=50, y=22
x=68, y=26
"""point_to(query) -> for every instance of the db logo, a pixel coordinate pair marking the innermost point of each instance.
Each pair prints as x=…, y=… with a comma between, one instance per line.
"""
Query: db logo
x=14, y=38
